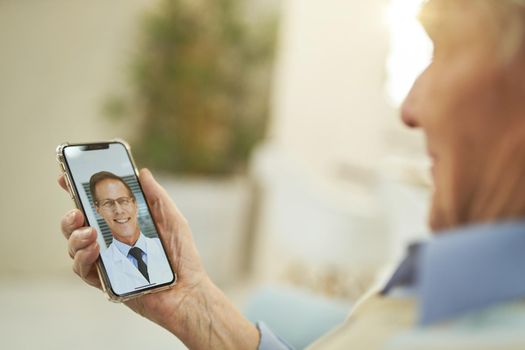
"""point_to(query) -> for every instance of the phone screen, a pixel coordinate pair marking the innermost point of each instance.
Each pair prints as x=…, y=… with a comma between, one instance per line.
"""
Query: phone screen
x=132, y=254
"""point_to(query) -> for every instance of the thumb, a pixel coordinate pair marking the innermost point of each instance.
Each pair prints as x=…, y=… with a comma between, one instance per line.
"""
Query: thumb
x=158, y=199
x=152, y=190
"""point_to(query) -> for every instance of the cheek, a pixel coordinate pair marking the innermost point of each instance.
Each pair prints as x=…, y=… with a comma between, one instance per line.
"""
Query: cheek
x=463, y=108
x=108, y=218
x=467, y=92
x=460, y=124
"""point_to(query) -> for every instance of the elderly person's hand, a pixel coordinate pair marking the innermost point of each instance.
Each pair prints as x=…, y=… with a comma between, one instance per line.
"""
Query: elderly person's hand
x=195, y=310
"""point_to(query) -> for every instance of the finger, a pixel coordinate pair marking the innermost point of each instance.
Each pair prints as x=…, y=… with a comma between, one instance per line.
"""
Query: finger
x=151, y=187
x=81, y=239
x=85, y=259
x=62, y=182
x=73, y=220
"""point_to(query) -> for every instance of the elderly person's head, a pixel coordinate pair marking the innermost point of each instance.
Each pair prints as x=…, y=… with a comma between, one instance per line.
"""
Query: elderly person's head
x=470, y=103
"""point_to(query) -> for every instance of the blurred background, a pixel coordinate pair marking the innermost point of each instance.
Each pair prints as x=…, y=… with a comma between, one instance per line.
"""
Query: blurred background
x=273, y=124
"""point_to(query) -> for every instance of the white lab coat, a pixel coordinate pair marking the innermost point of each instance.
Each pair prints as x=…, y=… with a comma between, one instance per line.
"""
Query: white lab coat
x=125, y=277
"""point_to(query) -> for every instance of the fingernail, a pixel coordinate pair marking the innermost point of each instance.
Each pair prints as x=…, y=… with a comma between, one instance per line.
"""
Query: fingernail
x=86, y=232
x=71, y=217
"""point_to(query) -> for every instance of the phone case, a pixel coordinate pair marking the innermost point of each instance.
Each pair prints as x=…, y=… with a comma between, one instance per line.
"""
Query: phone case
x=74, y=196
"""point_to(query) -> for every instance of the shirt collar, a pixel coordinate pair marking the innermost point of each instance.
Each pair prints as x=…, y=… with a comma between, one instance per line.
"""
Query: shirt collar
x=464, y=270
x=124, y=248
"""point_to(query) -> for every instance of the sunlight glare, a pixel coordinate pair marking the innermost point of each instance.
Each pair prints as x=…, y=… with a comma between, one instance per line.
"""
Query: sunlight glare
x=410, y=48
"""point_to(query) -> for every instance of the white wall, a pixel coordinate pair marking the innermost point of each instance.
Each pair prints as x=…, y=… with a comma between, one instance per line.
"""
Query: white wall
x=329, y=105
x=332, y=130
x=58, y=60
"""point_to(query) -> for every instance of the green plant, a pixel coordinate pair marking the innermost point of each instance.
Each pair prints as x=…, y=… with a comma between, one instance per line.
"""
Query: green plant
x=200, y=84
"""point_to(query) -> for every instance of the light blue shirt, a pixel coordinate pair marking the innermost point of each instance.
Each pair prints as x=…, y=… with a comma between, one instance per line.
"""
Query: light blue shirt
x=124, y=249
x=456, y=272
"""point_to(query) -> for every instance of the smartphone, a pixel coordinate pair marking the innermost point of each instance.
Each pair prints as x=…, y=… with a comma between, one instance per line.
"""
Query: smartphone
x=104, y=183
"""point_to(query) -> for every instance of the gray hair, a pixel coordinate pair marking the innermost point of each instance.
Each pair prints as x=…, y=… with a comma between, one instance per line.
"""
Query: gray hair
x=510, y=25
x=505, y=22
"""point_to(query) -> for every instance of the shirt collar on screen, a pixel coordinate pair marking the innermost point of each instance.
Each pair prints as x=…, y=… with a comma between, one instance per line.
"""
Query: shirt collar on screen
x=124, y=248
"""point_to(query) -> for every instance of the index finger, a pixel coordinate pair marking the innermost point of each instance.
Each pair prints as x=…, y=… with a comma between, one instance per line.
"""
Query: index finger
x=62, y=182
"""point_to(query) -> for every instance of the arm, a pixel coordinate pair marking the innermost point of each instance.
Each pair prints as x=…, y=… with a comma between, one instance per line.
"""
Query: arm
x=194, y=310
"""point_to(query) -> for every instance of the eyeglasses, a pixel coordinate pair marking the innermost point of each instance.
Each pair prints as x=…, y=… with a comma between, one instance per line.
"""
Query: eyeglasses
x=110, y=204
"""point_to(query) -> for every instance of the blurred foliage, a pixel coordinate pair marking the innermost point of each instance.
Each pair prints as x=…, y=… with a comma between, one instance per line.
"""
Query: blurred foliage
x=200, y=87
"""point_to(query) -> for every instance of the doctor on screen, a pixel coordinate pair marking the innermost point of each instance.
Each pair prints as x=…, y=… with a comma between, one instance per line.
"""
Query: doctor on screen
x=132, y=260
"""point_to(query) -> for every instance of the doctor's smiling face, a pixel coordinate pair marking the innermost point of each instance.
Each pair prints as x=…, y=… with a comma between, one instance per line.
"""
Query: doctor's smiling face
x=116, y=204
x=469, y=104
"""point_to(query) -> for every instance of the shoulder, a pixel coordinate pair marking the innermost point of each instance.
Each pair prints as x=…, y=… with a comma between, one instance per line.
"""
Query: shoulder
x=152, y=242
x=151, y=239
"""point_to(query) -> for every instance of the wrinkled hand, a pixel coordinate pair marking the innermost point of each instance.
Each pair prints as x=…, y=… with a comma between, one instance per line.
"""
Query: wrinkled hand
x=195, y=310
x=175, y=234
